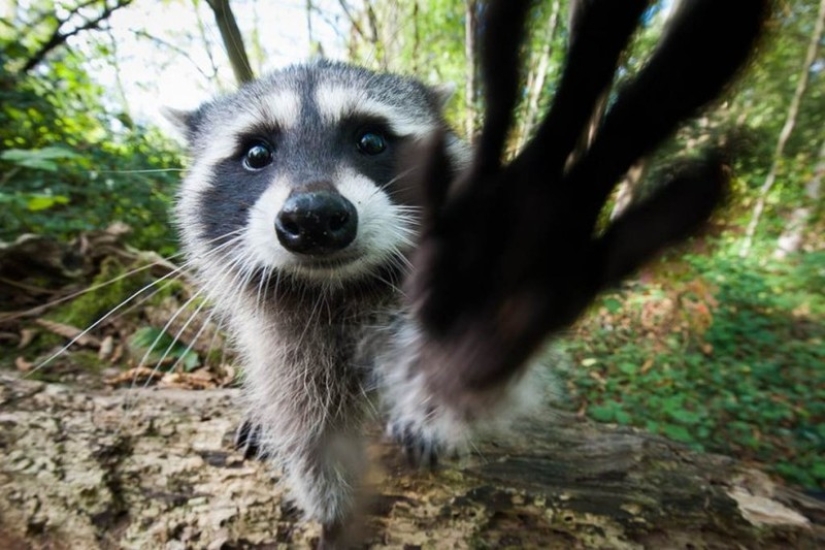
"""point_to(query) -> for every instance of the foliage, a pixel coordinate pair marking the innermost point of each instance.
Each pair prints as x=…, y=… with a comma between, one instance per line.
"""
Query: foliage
x=727, y=359
x=112, y=285
x=158, y=345
x=69, y=164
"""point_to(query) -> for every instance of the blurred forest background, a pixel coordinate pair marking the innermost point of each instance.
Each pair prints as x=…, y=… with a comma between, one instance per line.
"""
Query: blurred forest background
x=720, y=344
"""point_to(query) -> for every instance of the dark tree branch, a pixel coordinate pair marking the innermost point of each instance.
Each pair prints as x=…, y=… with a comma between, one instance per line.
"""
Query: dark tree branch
x=353, y=21
x=172, y=47
x=232, y=40
x=59, y=38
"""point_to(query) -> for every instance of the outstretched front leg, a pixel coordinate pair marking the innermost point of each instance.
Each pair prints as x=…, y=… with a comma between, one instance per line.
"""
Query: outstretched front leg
x=511, y=254
x=305, y=411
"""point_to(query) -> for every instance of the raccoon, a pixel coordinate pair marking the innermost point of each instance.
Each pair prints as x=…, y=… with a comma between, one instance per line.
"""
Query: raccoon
x=301, y=212
x=295, y=215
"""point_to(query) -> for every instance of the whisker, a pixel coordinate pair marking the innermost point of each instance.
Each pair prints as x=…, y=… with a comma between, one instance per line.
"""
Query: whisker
x=97, y=323
x=175, y=340
x=139, y=171
x=161, y=334
x=194, y=340
x=98, y=286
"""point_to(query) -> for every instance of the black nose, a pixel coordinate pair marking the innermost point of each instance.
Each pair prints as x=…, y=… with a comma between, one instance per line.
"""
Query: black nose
x=316, y=223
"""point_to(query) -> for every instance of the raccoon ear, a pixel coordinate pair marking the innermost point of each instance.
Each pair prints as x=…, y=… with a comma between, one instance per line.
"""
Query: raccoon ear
x=183, y=120
x=444, y=93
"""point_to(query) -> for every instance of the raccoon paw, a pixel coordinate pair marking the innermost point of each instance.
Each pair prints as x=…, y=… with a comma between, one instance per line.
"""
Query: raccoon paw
x=248, y=440
x=420, y=449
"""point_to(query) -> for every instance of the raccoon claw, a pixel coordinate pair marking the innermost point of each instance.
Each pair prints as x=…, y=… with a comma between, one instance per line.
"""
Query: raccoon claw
x=248, y=440
x=420, y=451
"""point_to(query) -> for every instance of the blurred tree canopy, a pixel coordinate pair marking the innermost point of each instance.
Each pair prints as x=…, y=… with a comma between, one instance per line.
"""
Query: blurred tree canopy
x=71, y=159
x=733, y=322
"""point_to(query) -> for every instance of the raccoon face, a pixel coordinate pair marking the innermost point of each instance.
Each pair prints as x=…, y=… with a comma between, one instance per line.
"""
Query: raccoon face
x=297, y=173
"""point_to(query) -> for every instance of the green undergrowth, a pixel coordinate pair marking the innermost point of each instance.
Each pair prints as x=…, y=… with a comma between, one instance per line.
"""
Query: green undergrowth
x=116, y=293
x=728, y=356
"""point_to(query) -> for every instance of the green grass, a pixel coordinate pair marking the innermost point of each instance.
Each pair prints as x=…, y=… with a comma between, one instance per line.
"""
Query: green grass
x=730, y=359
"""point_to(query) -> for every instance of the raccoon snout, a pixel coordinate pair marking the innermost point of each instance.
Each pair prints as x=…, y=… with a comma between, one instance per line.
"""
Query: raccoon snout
x=316, y=223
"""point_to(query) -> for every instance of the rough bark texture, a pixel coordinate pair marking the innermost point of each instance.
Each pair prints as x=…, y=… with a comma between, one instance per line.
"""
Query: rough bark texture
x=155, y=469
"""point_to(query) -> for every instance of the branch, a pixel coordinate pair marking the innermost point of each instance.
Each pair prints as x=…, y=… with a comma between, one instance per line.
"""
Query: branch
x=58, y=38
x=179, y=51
x=353, y=21
x=232, y=40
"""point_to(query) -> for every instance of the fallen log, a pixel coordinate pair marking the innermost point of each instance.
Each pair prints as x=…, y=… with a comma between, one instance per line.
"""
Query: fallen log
x=156, y=469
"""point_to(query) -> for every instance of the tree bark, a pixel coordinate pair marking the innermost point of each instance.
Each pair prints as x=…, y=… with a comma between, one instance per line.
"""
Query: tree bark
x=787, y=129
x=155, y=469
x=232, y=40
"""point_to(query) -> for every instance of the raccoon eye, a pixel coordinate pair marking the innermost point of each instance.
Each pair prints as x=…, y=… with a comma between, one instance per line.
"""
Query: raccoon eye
x=258, y=155
x=372, y=143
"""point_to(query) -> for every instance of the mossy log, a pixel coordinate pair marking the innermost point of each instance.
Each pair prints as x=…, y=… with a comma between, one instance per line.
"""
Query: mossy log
x=156, y=469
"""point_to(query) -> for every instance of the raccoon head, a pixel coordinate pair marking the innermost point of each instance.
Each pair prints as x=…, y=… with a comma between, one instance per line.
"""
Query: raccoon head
x=296, y=174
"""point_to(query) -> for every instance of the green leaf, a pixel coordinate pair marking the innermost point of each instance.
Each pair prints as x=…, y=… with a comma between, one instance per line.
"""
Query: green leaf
x=685, y=417
x=36, y=203
x=38, y=159
x=677, y=433
x=190, y=360
x=629, y=369
x=612, y=304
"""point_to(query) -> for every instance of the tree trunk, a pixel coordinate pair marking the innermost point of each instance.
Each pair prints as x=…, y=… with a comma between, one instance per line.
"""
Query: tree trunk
x=791, y=239
x=232, y=40
x=471, y=67
x=371, y=37
x=787, y=129
x=539, y=77
x=416, y=48
x=375, y=35
x=155, y=469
